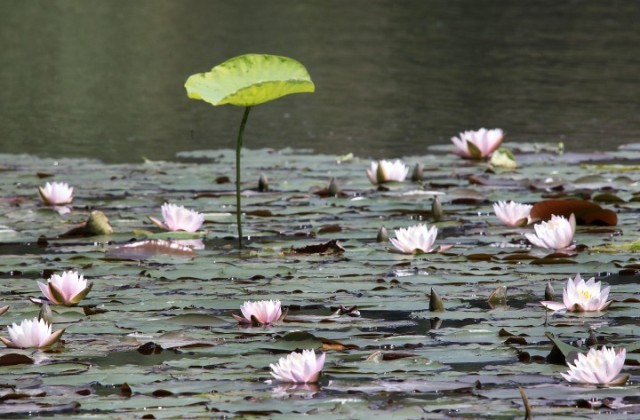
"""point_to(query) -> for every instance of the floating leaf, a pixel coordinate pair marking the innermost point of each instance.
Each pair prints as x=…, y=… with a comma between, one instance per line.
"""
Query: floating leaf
x=586, y=212
x=331, y=247
x=12, y=359
x=607, y=198
x=143, y=250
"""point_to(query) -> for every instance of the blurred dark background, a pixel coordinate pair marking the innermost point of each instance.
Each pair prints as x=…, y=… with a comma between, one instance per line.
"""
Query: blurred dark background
x=105, y=79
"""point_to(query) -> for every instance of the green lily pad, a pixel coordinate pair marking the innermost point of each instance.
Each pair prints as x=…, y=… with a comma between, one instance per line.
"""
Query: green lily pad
x=249, y=80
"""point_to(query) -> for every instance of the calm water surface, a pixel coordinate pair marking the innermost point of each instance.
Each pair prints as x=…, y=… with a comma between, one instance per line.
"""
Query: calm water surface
x=105, y=79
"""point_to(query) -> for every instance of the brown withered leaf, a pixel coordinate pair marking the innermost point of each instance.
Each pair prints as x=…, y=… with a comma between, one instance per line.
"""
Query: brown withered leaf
x=125, y=390
x=608, y=198
x=516, y=340
x=260, y=213
x=223, y=180
x=327, y=248
x=328, y=344
x=161, y=393
x=394, y=355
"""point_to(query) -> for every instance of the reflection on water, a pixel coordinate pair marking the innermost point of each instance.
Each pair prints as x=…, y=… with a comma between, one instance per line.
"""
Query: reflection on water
x=105, y=79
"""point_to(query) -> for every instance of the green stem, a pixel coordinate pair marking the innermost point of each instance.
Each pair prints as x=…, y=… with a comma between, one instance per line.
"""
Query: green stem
x=238, y=148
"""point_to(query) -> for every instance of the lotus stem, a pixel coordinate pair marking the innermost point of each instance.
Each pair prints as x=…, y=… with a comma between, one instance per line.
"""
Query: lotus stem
x=238, y=201
x=528, y=412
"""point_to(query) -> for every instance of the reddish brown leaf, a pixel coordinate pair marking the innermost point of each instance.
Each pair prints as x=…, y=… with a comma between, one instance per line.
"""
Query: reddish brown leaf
x=161, y=393
x=330, y=228
x=328, y=344
x=479, y=257
x=125, y=390
x=15, y=359
x=586, y=212
x=260, y=213
x=516, y=340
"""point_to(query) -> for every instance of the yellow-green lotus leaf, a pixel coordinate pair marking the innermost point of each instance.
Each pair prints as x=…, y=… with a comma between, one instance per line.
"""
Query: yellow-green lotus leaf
x=249, y=80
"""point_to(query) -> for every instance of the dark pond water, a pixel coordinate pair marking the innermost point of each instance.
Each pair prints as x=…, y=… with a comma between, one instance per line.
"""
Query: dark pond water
x=105, y=79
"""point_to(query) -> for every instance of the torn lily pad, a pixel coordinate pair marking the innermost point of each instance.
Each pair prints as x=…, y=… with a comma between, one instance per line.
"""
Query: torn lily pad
x=143, y=250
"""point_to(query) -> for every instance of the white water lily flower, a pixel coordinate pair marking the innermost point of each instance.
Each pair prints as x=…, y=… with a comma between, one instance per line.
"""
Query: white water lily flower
x=418, y=238
x=386, y=171
x=557, y=233
x=179, y=218
x=56, y=193
x=31, y=333
x=478, y=144
x=598, y=367
x=261, y=312
x=66, y=289
x=581, y=296
x=512, y=213
x=299, y=368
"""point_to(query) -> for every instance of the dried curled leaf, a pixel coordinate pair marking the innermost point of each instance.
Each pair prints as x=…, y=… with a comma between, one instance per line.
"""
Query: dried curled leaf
x=327, y=248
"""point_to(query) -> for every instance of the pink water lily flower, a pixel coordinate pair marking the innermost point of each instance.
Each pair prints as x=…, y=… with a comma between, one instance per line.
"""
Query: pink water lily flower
x=66, y=289
x=179, y=218
x=386, y=171
x=299, y=368
x=581, y=296
x=478, y=144
x=598, y=367
x=31, y=333
x=56, y=193
x=415, y=239
x=512, y=213
x=261, y=312
x=556, y=234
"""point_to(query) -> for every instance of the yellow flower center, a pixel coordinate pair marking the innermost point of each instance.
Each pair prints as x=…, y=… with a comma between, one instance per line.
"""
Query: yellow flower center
x=585, y=293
